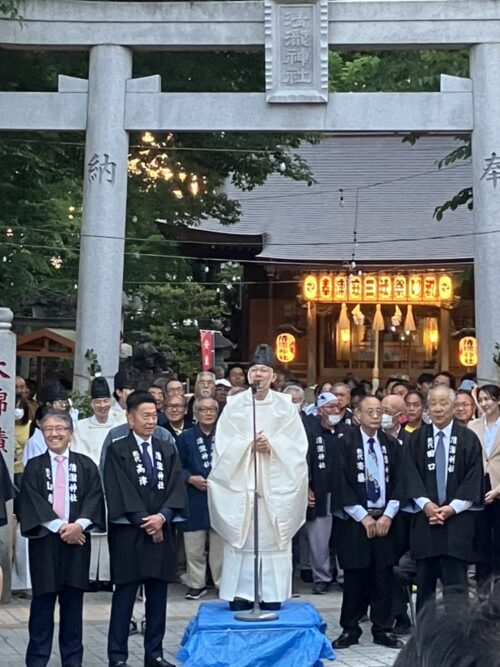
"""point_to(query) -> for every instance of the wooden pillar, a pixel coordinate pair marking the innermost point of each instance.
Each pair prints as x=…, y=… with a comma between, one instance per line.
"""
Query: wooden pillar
x=444, y=339
x=271, y=275
x=312, y=335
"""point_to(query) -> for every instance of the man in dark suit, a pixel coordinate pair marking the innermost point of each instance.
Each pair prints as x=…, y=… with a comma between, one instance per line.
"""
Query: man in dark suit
x=446, y=481
x=144, y=492
x=60, y=500
x=366, y=489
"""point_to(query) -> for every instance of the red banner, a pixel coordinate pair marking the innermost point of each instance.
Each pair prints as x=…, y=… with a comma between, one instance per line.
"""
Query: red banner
x=207, y=349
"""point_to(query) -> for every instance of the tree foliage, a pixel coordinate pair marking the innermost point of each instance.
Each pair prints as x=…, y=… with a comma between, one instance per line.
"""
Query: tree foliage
x=173, y=315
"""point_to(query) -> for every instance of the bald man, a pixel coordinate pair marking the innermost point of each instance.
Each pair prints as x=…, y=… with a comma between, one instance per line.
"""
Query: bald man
x=393, y=416
x=445, y=478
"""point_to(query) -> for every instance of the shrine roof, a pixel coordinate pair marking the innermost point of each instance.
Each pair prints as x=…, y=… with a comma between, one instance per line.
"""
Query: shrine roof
x=390, y=189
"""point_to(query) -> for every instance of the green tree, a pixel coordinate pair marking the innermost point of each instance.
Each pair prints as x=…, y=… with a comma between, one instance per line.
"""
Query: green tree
x=173, y=316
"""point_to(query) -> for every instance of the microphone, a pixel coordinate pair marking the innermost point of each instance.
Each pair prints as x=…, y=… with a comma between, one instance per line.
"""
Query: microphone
x=255, y=386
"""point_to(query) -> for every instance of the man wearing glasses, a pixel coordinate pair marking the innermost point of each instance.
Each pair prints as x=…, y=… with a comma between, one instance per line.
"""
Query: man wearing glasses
x=60, y=500
x=175, y=411
x=195, y=449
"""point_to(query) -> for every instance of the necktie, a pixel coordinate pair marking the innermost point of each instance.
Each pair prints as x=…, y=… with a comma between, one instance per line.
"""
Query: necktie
x=440, y=458
x=59, y=488
x=373, y=475
x=148, y=464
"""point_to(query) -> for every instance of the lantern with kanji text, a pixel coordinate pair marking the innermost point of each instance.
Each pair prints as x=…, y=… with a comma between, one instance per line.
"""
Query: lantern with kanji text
x=285, y=348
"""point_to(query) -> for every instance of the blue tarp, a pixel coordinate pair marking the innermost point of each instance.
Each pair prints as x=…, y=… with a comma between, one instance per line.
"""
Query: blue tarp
x=215, y=639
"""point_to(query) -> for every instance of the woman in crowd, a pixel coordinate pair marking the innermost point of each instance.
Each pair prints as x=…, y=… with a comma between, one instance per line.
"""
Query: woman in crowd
x=487, y=428
x=21, y=436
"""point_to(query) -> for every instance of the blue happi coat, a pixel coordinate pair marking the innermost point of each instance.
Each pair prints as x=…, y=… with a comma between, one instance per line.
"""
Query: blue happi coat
x=195, y=449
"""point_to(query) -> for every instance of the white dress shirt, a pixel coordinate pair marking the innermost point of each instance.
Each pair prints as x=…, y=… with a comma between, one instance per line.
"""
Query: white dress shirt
x=149, y=448
x=56, y=524
x=35, y=446
x=490, y=434
x=358, y=512
x=455, y=504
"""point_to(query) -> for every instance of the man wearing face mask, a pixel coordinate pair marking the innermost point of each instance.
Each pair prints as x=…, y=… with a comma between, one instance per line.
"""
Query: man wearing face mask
x=393, y=417
x=323, y=432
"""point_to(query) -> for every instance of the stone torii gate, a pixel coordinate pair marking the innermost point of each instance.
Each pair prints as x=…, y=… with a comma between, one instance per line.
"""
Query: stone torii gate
x=296, y=36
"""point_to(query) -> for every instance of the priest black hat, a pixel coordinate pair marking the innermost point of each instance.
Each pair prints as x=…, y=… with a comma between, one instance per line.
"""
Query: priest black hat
x=125, y=380
x=263, y=356
x=52, y=391
x=99, y=388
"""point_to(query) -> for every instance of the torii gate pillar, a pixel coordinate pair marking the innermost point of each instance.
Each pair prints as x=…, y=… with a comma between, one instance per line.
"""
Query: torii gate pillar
x=485, y=74
x=104, y=213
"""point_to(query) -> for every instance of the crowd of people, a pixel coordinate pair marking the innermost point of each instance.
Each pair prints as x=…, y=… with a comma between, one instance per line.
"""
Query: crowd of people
x=374, y=492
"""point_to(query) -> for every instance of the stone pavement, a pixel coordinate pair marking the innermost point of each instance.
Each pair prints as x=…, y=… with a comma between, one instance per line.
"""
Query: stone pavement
x=14, y=634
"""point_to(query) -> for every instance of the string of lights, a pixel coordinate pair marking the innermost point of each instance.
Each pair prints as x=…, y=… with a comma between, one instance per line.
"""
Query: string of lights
x=270, y=244
x=261, y=261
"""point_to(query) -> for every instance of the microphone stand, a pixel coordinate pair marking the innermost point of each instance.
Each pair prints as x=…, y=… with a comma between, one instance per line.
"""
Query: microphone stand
x=256, y=613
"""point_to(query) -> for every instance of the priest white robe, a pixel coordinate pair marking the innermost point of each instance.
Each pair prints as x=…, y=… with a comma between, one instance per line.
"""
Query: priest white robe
x=283, y=483
x=88, y=439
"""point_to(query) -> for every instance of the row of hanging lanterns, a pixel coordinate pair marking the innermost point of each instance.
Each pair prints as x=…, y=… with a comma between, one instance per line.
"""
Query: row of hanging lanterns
x=372, y=288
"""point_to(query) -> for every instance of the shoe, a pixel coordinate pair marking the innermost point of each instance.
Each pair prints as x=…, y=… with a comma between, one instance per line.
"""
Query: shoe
x=270, y=606
x=195, y=593
x=402, y=626
x=387, y=639
x=346, y=639
x=157, y=662
x=132, y=628
x=238, y=604
x=118, y=663
x=320, y=588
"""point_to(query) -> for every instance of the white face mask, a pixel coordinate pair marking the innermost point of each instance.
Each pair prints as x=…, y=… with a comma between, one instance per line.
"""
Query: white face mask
x=18, y=413
x=334, y=419
x=387, y=421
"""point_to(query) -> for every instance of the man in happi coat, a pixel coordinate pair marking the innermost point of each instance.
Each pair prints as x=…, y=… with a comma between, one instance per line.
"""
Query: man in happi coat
x=144, y=492
x=61, y=499
x=195, y=448
x=366, y=493
x=281, y=449
x=323, y=431
x=446, y=481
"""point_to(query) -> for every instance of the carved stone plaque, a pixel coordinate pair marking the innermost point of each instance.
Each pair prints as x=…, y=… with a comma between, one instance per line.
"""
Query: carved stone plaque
x=296, y=50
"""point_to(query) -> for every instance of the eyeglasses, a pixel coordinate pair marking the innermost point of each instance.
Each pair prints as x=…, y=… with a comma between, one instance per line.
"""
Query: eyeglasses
x=207, y=409
x=55, y=429
x=176, y=407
